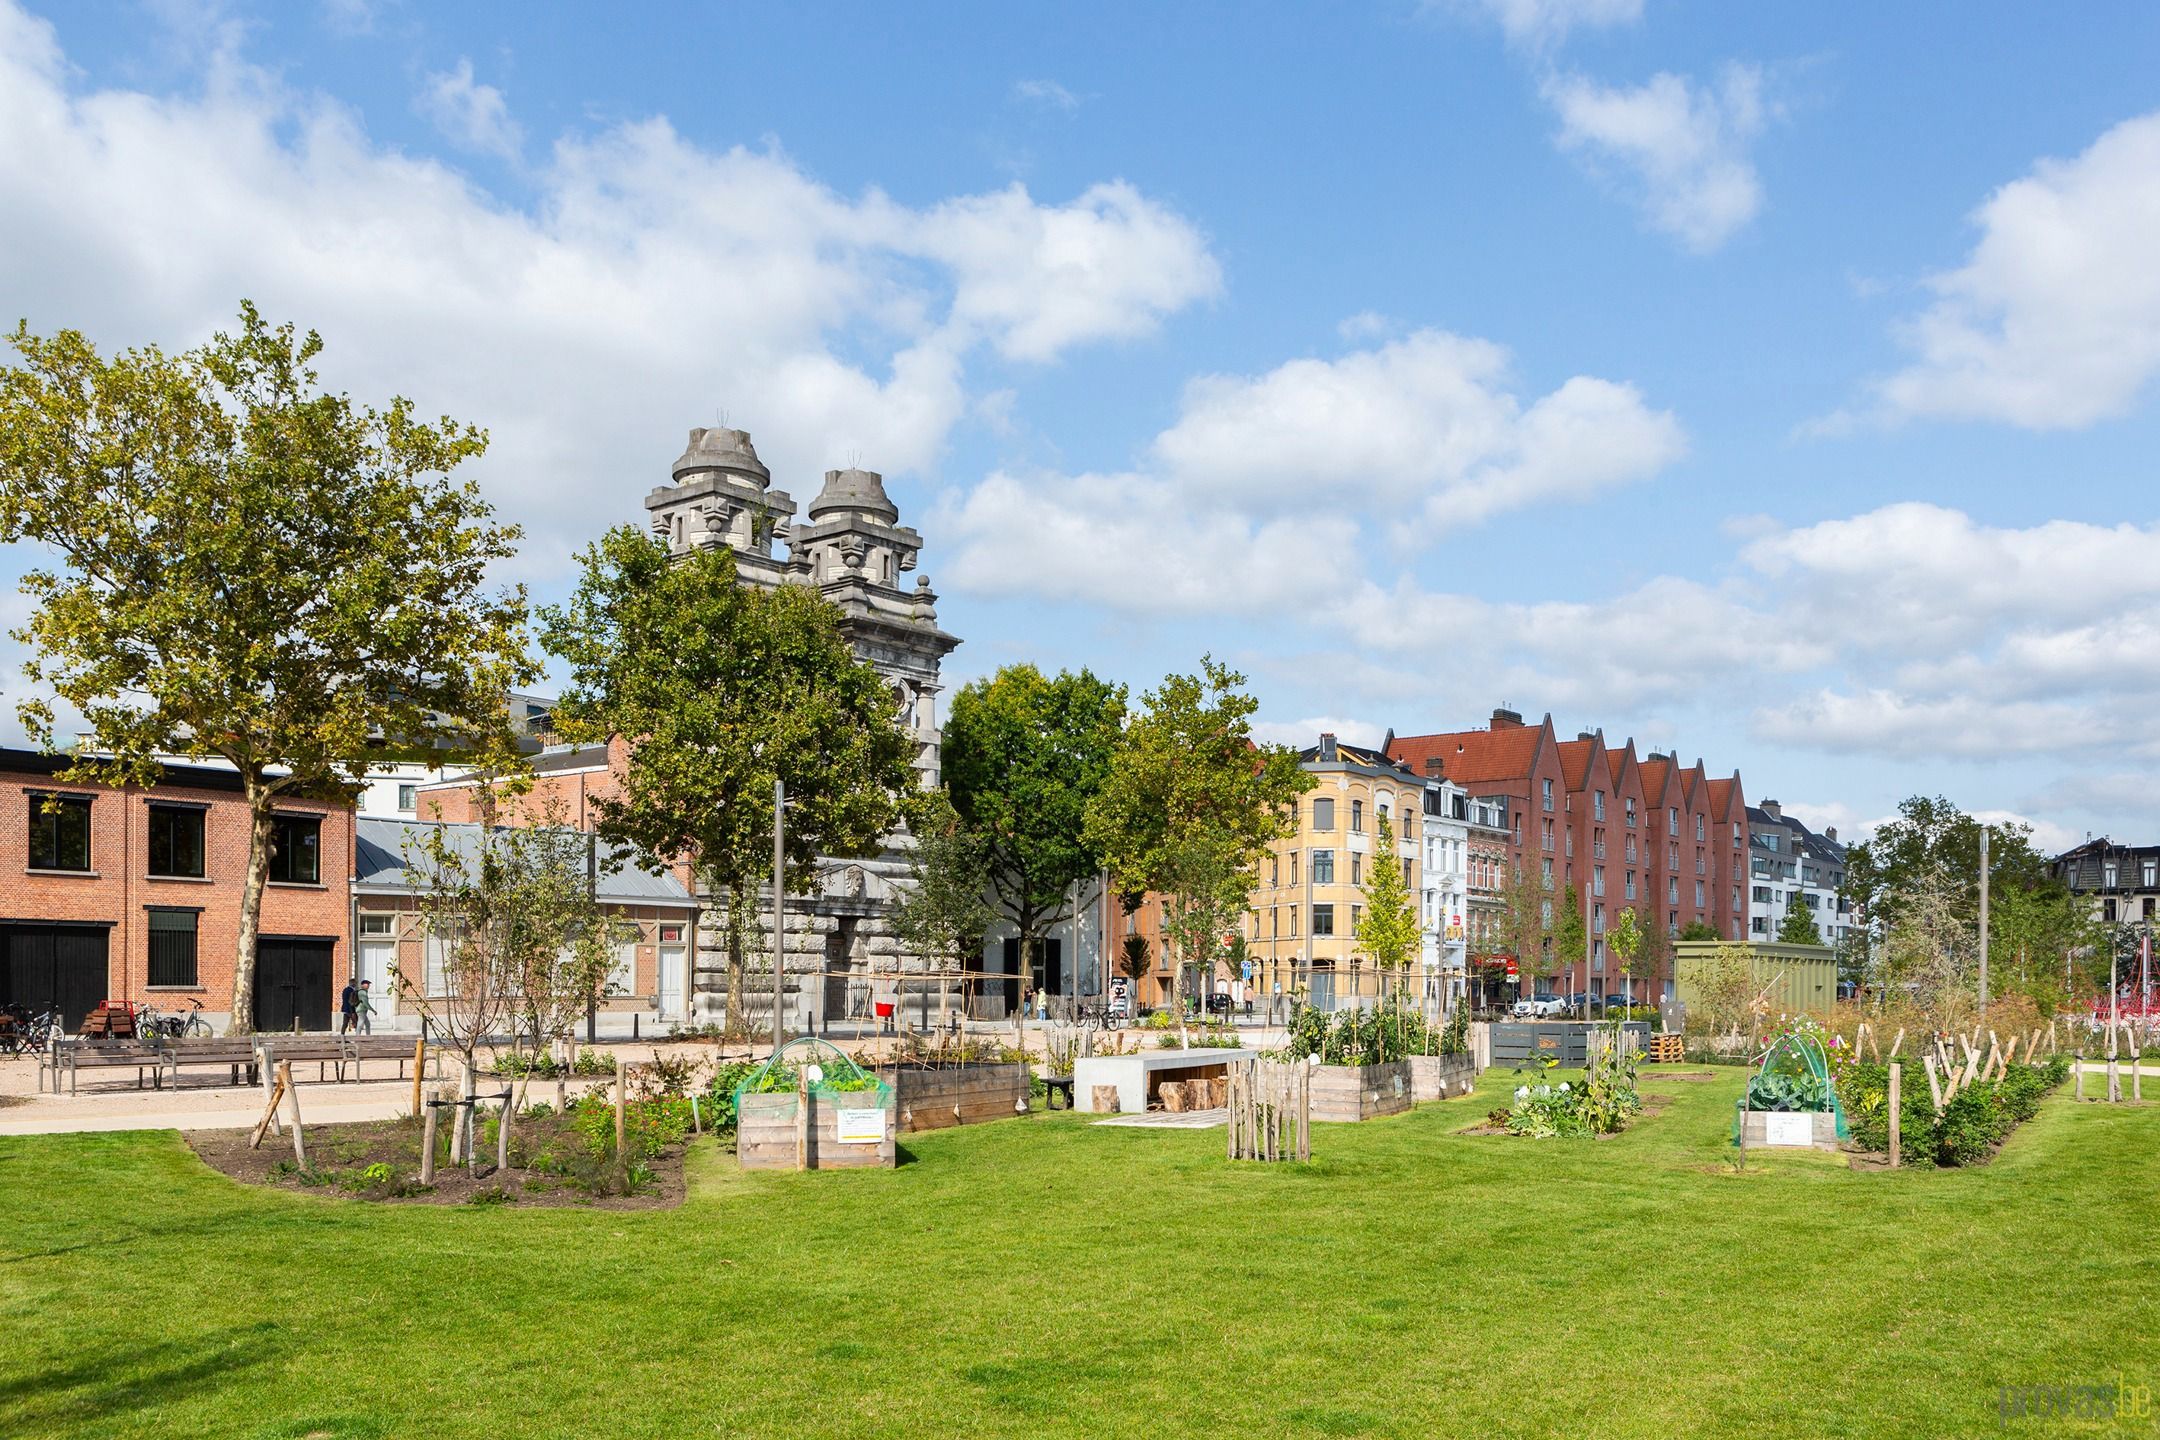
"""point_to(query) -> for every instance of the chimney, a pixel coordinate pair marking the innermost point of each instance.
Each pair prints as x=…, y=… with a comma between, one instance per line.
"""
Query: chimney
x=1327, y=746
x=1506, y=719
x=1770, y=808
x=1434, y=765
x=1585, y=735
x=1829, y=832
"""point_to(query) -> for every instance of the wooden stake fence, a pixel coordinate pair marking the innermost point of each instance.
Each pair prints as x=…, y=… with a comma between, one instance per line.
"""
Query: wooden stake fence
x=1270, y=1105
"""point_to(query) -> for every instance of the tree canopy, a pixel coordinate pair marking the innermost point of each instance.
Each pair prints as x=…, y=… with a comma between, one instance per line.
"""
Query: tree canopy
x=722, y=688
x=1024, y=754
x=1388, y=931
x=252, y=568
x=1190, y=805
x=1799, y=927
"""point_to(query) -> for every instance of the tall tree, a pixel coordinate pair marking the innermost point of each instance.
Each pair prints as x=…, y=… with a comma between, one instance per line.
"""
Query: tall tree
x=1798, y=927
x=1525, y=925
x=1626, y=941
x=1571, y=938
x=1023, y=755
x=1389, y=929
x=1190, y=806
x=253, y=569
x=720, y=689
x=944, y=914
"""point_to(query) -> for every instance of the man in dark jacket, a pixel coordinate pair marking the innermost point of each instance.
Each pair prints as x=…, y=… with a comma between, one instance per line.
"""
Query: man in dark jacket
x=348, y=1008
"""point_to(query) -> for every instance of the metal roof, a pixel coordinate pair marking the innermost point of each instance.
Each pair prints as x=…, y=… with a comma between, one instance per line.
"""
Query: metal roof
x=381, y=846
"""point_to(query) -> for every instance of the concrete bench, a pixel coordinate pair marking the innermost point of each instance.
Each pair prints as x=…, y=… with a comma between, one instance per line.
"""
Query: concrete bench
x=1135, y=1076
x=71, y=1057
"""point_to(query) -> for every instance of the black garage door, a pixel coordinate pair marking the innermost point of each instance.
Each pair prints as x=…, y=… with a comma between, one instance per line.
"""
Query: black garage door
x=292, y=980
x=54, y=967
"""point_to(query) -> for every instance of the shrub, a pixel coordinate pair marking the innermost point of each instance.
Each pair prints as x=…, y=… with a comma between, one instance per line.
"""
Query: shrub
x=1975, y=1121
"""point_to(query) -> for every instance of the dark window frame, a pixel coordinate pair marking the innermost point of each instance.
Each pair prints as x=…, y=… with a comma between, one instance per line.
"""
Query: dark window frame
x=168, y=811
x=1323, y=911
x=174, y=965
x=282, y=850
x=45, y=826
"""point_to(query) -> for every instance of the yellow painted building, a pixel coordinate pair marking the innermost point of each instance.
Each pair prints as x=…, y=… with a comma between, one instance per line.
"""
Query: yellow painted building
x=1309, y=896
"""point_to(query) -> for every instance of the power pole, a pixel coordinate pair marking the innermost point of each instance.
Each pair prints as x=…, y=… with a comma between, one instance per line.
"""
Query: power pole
x=1983, y=923
x=779, y=905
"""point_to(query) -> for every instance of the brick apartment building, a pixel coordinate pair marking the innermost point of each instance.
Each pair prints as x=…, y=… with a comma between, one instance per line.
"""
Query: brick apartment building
x=1645, y=834
x=133, y=894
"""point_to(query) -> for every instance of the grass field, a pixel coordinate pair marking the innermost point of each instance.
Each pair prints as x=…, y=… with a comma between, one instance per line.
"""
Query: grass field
x=1044, y=1277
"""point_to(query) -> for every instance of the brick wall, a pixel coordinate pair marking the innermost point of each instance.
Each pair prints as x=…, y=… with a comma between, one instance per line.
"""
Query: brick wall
x=119, y=891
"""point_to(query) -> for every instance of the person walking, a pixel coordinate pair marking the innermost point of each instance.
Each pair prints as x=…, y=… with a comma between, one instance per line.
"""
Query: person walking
x=348, y=1008
x=364, y=1008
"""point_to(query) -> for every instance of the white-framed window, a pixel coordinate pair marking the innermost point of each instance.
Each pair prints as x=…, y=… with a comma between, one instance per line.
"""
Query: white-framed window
x=1597, y=804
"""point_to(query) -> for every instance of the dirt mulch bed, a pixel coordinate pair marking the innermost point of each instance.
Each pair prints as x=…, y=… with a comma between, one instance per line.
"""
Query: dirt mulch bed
x=339, y=1156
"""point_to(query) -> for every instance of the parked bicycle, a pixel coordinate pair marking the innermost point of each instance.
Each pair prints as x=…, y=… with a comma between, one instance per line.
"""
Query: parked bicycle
x=176, y=1025
x=23, y=1030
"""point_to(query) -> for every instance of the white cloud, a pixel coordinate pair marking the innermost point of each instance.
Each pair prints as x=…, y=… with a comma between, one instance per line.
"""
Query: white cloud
x=2053, y=321
x=1303, y=734
x=1543, y=23
x=1424, y=421
x=651, y=284
x=470, y=115
x=1835, y=815
x=1046, y=93
x=1680, y=148
x=1131, y=543
x=1041, y=278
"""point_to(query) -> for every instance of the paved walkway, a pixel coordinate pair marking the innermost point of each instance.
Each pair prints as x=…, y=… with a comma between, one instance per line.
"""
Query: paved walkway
x=1167, y=1120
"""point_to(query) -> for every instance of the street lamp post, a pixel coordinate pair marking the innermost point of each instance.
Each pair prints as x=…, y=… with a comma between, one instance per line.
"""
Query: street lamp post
x=779, y=904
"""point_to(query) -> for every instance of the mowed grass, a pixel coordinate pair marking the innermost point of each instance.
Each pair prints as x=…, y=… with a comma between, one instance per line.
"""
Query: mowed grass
x=1043, y=1276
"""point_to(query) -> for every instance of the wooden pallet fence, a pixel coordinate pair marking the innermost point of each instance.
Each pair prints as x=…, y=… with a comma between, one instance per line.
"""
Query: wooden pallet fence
x=1270, y=1110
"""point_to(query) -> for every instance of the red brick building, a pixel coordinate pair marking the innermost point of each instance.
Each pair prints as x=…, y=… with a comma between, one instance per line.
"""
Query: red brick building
x=1647, y=834
x=133, y=894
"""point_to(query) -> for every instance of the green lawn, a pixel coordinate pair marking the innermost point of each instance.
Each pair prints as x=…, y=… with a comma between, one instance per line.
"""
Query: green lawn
x=1042, y=1276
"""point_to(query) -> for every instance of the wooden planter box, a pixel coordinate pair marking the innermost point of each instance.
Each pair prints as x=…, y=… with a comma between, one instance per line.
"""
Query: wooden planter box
x=1758, y=1126
x=765, y=1133
x=937, y=1099
x=1441, y=1077
x=1360, y=1092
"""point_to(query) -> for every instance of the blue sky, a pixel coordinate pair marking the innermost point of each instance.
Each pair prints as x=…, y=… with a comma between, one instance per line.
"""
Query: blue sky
x=1773, y=382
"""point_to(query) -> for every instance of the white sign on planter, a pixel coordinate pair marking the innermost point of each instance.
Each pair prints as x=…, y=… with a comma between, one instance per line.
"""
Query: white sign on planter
x=1786, y=1127
x=861, y=1127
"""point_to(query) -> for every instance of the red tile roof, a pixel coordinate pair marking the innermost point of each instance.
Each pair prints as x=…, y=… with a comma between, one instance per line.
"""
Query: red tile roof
x=1473, y=757
x=1655, y=772
x=1576, y=757
x=1721, y=793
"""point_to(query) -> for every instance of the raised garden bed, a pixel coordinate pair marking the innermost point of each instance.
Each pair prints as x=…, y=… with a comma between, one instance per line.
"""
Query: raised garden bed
x=937, y=1098
x=767, y=1136
x=1441, y=1077
x=1798, y=1128
x=1360, y=1092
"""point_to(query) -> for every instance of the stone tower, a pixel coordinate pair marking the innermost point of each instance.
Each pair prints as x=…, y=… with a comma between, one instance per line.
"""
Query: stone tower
x=853, y=549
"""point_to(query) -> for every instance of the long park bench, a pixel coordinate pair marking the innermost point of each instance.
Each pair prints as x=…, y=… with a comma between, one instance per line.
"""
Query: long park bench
x=70, y=1057
x=164, y=1058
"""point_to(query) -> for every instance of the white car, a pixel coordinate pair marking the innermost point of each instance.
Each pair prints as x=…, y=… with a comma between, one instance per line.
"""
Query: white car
x=1542, y=1007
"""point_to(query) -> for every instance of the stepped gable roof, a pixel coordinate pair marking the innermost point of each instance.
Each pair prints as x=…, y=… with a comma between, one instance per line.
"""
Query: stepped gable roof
x=1474, y=757
x=860, y=491
x=1575, y=756
x=1656, y=775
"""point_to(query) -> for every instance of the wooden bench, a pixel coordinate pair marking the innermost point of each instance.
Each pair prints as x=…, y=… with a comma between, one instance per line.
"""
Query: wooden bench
x=342, y=1054
x=70, y=1057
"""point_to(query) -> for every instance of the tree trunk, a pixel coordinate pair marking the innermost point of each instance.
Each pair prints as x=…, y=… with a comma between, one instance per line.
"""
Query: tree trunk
x=735, y=963
x=251, y=894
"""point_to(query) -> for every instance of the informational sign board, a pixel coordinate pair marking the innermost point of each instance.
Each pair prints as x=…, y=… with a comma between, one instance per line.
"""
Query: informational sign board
x=1120, y=995
x=1782, y=1127
x=861, y=1127
x=1245, y=971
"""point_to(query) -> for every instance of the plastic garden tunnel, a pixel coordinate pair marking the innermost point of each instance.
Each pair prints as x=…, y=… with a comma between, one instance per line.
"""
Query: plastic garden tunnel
x=839, y=1079
x=1794, y=1075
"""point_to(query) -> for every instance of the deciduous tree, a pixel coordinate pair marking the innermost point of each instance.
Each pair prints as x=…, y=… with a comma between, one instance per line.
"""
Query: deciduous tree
x=1798, y=927
x=944, y=914
x=1189, y=807
x=252, y=568
x=1023, y=754
x=720, y=688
